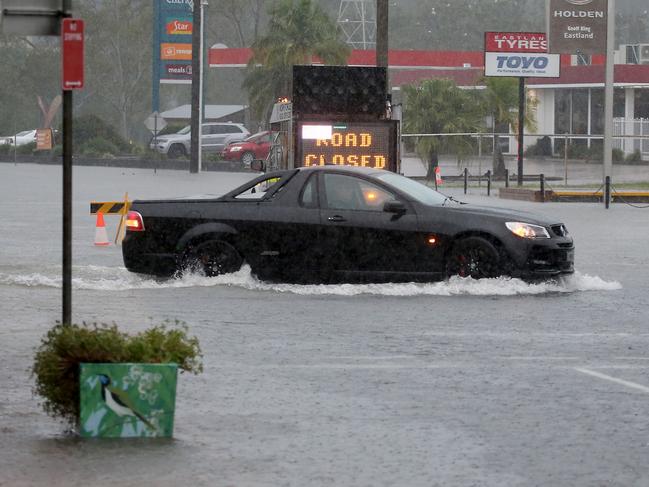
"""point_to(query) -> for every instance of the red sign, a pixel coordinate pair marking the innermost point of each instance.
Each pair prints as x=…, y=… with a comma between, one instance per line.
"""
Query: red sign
x=515, y=42
x=72, y=49
x=179, y=27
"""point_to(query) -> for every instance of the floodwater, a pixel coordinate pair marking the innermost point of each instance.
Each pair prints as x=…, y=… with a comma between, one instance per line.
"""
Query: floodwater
x=460, y=383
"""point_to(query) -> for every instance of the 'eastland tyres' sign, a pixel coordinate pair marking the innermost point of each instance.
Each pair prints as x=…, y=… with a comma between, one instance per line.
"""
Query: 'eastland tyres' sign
x=578, y=25
x=520, y=54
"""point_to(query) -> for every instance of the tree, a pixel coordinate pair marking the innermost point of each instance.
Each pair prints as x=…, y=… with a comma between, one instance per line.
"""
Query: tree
x=298, y=30
x=438, y=106
x=500, y=101
x=118, y=71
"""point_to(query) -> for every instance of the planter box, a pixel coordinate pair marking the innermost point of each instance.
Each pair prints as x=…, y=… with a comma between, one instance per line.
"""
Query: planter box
x=127, y=400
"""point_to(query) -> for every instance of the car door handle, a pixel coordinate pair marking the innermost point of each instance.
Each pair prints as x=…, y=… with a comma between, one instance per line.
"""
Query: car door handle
x=336, y=218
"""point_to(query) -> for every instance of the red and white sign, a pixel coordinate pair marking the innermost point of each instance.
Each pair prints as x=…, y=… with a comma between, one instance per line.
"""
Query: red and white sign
x=72, y=53
x=515, y=42
x=179, y=27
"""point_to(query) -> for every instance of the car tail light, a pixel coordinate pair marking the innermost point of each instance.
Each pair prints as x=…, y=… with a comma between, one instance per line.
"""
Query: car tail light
x=134, y=222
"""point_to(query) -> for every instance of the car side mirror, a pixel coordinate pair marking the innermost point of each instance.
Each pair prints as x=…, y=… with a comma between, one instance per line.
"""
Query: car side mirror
x=257, y=165
x=394, y=206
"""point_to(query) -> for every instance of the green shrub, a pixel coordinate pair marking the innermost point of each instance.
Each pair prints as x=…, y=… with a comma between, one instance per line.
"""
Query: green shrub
x=88, y=127
x=26, y=148
x=64, y=347
x=6, y=149
x=618, y=155
x=98, y=147
x=636, y=156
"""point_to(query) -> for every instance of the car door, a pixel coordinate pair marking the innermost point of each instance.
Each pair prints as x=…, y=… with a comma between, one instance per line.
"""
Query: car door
x=213, y=137
x=279, y=228
x=262, y=146
x=360, y=238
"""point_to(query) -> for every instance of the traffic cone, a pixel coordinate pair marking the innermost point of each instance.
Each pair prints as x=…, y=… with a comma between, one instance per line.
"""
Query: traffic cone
x=101, y=237
x=438, y=176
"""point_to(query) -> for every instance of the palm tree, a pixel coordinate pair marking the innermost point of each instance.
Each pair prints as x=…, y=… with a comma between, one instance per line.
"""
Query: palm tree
x=438, y=106
x=500, y=100
x=298, y=31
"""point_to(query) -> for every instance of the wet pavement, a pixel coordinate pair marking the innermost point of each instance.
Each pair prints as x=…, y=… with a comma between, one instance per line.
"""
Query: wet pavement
x=461, y=383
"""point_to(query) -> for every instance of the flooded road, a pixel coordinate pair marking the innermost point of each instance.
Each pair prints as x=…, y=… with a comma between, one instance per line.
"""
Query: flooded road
x=487, y=383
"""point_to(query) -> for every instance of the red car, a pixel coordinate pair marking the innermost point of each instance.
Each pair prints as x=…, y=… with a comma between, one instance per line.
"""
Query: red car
x=256, y=146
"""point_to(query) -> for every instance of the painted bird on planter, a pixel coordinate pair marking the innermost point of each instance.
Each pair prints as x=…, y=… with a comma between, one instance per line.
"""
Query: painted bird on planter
x=118, y=402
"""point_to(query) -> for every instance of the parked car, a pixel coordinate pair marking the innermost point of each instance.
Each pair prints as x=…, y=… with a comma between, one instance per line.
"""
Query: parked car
x=341, y=224
x=215, y=136
x=256, y=146
x=21, y=138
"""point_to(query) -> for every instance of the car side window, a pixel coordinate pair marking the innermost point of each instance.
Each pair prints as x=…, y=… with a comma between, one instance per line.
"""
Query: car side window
x=344, y=192
x=309, y=195
x=259, y=190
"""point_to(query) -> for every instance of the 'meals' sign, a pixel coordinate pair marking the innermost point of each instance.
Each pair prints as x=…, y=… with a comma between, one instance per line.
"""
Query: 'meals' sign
x=578, y=26
x=529, y=65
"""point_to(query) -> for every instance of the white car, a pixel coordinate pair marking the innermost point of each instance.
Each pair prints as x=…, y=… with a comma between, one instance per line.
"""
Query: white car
x=21, y=138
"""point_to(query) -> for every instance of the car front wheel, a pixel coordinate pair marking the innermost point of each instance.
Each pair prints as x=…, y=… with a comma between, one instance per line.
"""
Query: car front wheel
x=475, y=257
x=213, y=258
x=247, y=158
x=176, y=150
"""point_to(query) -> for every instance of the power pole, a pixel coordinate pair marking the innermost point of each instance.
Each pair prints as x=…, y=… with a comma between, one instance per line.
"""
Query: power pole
x=382, y=33
x=196, y=91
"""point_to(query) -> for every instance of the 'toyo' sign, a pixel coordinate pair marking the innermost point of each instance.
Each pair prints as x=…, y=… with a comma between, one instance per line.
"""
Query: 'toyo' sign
x=522, y=64
x=72, y=53
x=515, y=42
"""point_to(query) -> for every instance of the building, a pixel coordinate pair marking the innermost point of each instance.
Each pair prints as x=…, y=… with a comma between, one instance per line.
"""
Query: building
x=571, y=104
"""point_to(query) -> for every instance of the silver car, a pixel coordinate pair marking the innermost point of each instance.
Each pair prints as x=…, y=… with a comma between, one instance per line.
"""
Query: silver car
x=215, y=136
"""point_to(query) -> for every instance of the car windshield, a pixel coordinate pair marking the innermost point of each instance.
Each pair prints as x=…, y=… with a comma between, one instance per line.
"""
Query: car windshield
x=185, y=130
x=26, y=132
x=414, y=189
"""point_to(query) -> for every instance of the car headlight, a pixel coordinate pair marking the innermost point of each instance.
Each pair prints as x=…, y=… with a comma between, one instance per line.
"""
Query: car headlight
x=235, y=148
x=527, y=230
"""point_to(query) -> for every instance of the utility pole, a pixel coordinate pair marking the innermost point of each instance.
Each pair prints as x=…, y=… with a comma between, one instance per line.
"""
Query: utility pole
x=196, y=125
x=608, y=97
x=382, y=39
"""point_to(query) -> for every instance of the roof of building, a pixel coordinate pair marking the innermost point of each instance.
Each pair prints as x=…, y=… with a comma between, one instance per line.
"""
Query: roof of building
x=211, y=111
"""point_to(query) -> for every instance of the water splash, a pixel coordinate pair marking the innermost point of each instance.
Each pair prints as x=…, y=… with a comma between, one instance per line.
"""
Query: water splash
x=99, y=278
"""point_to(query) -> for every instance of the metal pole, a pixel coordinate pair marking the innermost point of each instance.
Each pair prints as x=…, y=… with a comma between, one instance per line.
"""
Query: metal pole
x=607, y=192
x=506, y=178
x=66, y=317
x=565, y=161
x=608, y=95
x=489, y=183
x=542, y=178
x=521, y=127
x=155, y=78
x=466, y=179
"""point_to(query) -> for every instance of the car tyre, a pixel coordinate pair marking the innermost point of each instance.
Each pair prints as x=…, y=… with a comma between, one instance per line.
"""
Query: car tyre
x=176, y=150
x=475, y=257
x=247, y=158
x=213, y=258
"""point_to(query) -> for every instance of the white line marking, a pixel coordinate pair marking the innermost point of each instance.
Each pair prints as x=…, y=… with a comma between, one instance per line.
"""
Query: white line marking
x=540, y=358
x=632, y=385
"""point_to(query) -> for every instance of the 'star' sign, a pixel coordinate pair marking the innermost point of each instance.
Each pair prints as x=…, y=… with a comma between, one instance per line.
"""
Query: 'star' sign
x=72, y=53
x=522, y=65
x=515, y=42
